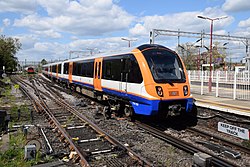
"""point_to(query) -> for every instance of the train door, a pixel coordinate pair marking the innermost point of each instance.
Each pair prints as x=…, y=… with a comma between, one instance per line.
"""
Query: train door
x=124, y=74
x=70, y=71
x=98, y=74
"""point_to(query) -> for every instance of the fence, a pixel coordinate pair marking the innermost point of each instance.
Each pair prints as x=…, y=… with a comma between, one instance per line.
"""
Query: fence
x=230, y=84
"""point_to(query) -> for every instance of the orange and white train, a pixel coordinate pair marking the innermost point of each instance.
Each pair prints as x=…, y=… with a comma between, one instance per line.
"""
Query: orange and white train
x=149, y=80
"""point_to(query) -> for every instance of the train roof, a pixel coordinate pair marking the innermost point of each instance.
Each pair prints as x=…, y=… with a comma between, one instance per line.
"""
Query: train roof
x=55, y=63
x=110, y=53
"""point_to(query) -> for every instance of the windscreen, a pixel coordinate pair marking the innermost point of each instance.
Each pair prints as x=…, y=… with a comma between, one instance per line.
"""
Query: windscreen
x=165, y=66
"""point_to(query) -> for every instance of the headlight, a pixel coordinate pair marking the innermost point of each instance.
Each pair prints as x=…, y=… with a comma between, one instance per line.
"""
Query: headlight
x=159, y=91
x=185, y=90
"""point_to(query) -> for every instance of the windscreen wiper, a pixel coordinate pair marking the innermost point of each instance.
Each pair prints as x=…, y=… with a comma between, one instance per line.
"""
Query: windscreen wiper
x=169, y=82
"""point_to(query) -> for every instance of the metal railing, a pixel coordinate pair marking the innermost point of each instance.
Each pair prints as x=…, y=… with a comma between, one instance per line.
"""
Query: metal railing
x=229, y=84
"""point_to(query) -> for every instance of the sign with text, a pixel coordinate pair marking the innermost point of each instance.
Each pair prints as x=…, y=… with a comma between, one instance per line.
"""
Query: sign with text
x=240, y=132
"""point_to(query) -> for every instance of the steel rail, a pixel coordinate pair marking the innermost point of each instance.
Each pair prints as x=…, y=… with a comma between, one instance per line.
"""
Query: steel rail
x=220, y=139
x=81, y=154
x=45, y=108
x=111, y=139
x=183, y=145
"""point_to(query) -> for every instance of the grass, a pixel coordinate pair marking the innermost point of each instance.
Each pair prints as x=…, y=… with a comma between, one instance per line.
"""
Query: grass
x=24, y=113
x=6, y=93
x=14, y=156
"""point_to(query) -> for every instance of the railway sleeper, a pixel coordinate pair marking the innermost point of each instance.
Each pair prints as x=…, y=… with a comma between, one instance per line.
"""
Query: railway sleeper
x=88, y=140
x=76, y=158
x=75, y=127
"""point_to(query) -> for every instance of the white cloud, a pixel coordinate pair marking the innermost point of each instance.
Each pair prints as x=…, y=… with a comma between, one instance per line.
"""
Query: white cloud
x=27, y=41
x=34, y=22
x=23, y=6
x=104, y=44
x=43, y=50
x=236, y=5
x=138, y=30
x=243, y=29
x=6, y=22
x=80, y=18
x=48, y=33
x=34, y=50
x=243, y=32
x=244, y=23
x=185, y=21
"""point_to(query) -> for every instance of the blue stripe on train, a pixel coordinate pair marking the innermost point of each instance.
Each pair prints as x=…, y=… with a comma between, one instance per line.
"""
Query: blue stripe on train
x=144, y=106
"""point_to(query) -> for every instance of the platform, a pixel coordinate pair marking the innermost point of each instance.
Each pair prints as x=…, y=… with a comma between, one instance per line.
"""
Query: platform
x=240, y=107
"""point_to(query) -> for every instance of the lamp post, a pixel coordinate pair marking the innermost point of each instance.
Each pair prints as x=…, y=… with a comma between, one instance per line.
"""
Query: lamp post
x=129, y=40
x=211, y=48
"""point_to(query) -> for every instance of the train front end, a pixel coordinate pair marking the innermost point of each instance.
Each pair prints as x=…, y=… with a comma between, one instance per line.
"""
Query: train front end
x=165, y=82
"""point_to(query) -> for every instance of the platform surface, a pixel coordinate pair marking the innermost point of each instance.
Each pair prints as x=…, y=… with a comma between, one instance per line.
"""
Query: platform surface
x=241, y=107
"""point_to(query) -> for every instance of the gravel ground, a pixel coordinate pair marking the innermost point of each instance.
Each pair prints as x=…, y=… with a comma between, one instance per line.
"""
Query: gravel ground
x=154, y=150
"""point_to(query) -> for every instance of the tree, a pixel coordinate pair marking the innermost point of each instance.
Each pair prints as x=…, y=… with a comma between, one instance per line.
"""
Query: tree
x=8, y=49
x=190, y=54
x=43, y=62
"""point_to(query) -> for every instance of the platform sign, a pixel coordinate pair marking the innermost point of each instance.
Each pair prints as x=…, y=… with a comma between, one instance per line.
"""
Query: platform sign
x=240, y=132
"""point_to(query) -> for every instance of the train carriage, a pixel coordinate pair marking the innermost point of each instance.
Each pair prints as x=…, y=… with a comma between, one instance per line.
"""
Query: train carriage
x=31, y=70
x=149, y=80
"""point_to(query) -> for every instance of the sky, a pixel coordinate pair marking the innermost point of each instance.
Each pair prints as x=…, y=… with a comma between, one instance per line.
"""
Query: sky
x=53, y=29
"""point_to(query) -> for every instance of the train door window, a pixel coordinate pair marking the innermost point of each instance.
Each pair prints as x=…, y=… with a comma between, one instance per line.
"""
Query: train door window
x=66, y=68
x=99, y=70
x=96, y=70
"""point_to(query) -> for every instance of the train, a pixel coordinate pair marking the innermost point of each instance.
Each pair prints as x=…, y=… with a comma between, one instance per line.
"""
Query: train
x=149, y=80
x=30, y=70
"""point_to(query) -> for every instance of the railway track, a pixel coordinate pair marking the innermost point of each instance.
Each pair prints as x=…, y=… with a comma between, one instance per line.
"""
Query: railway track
x=222, y=141
x=216, y=161
x=90, y=144
x=191, y=148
